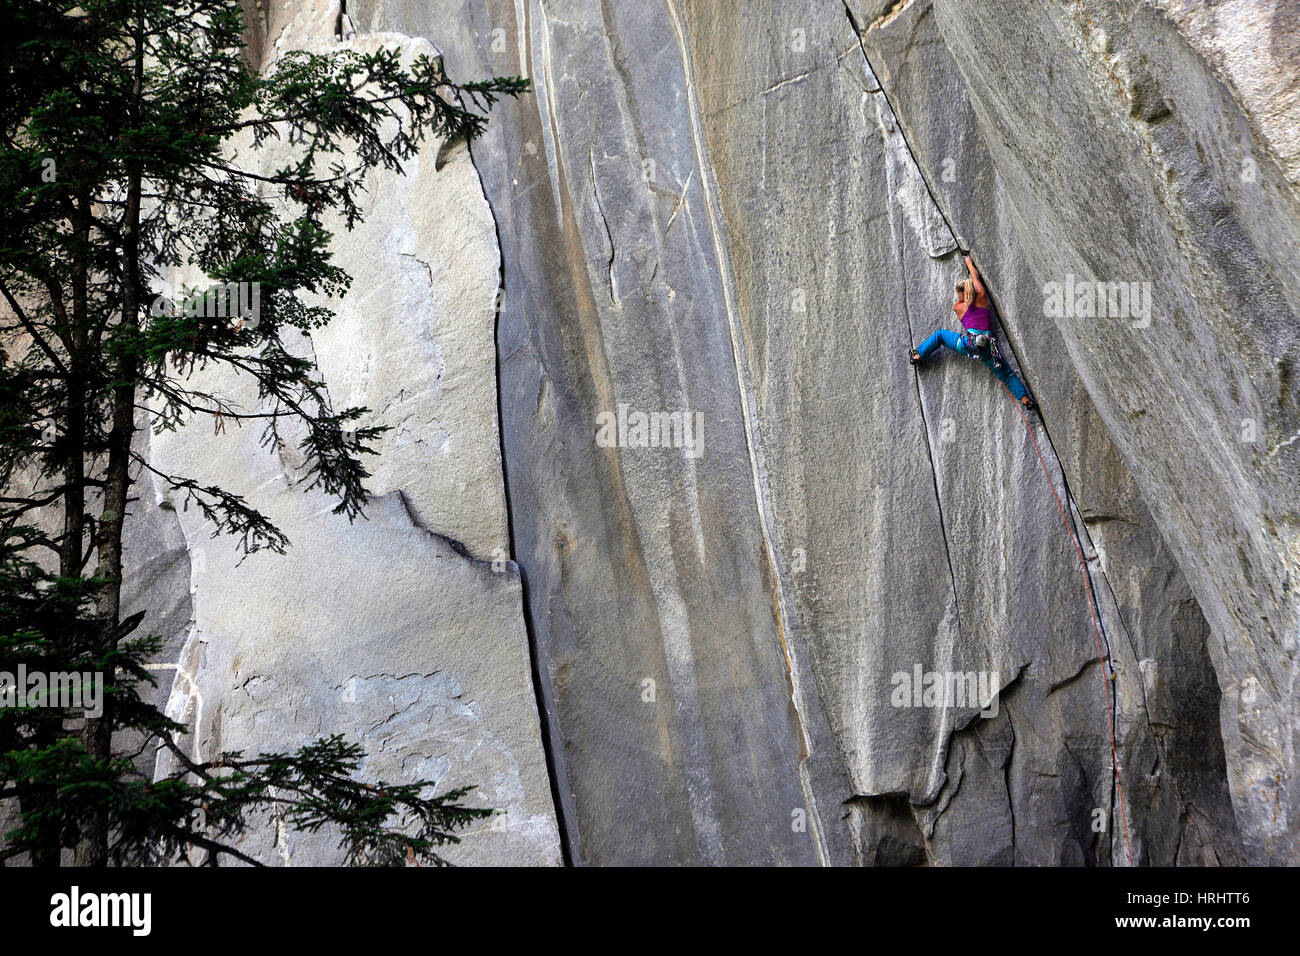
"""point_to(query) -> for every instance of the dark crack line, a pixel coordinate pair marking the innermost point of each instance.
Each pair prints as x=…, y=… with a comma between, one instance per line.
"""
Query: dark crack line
x=1116, y=804
x=1182, y=829
x=907, y=314
x=925, y=428
x=880, y=87
x=1112, y=686
x=549, y=734
x=1074, y=678
x=595, y=191
x=1006, y=781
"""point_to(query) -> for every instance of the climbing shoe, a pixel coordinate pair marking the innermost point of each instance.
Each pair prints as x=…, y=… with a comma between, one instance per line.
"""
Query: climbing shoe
x=914, y=357
x=1028, y=403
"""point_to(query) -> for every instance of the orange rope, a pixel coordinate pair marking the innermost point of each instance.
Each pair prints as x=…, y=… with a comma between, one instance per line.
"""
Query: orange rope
x=1092, y=607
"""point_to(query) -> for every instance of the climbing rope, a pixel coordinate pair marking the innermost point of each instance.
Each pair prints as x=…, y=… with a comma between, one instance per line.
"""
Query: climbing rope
x=1092, y=607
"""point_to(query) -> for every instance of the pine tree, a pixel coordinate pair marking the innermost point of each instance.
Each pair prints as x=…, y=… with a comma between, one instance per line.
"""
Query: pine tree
x=115, y=166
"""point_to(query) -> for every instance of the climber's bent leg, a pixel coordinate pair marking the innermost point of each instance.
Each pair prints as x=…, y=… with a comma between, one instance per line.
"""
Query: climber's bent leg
x=941, y=337
x=1009, y=378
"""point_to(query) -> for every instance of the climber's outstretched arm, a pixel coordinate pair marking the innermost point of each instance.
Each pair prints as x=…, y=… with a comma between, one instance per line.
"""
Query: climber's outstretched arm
x=981, y=296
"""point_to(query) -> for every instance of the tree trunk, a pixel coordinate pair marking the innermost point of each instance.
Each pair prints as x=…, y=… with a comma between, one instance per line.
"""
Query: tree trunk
x=92, y=849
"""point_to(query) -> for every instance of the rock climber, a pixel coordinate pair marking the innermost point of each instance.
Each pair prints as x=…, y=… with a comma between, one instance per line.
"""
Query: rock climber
x=978, y=341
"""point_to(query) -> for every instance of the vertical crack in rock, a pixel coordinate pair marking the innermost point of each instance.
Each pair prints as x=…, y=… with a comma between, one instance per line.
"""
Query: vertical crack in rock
x=1006, y=777
x=885, y=108
x=883, y=105
x=1079, y=527
x=595, y=192
x=744, y=389
x=534, y=659
x=925, y=430
x=1110, y=666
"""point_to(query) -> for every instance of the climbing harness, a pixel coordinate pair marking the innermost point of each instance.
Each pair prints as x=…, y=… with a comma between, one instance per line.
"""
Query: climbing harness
x=978, y=345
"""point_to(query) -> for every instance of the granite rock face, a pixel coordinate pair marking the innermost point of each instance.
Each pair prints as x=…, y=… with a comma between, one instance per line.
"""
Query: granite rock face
x=749, y=534
x=743, y=210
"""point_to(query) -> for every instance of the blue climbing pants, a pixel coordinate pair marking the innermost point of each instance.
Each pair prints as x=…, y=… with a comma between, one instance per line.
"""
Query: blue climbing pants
x=954, y=341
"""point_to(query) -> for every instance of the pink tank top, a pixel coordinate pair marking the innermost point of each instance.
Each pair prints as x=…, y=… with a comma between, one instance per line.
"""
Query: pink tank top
x=976, y=318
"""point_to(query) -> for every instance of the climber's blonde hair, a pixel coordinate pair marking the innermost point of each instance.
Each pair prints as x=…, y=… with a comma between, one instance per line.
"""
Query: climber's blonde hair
x=966, y=291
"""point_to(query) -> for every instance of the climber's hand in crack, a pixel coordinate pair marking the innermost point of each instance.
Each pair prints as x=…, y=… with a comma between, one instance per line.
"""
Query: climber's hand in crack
x=981, y=296
x=978, y=340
